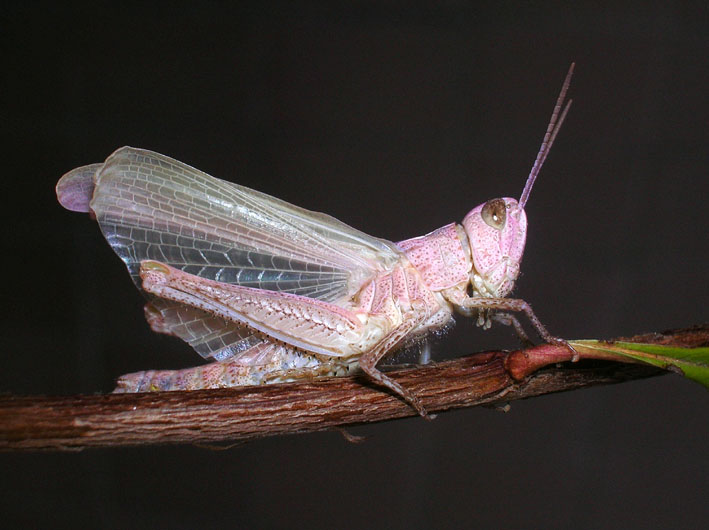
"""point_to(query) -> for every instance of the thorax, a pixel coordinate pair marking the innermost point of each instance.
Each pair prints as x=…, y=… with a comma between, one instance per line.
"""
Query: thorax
x=441, y=257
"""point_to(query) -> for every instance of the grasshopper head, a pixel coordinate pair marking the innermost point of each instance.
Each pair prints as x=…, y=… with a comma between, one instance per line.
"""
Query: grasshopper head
x=497, y=231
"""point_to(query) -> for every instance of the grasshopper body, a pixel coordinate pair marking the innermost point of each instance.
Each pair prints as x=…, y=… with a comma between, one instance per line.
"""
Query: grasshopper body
x=272, y=292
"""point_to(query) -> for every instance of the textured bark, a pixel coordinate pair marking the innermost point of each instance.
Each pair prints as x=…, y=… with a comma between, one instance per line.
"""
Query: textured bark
x=247, y=413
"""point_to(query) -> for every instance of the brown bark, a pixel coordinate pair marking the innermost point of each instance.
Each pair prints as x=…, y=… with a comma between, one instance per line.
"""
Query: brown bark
x=241, y=414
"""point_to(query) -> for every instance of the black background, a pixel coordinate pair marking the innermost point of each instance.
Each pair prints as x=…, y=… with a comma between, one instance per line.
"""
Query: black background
x=396, y=119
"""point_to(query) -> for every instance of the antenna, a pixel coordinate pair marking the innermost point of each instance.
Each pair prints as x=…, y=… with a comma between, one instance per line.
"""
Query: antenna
x=549, y=137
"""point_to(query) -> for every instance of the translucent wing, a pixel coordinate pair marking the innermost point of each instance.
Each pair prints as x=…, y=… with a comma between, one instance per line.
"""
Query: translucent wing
x=150, y=206
x=210, y=336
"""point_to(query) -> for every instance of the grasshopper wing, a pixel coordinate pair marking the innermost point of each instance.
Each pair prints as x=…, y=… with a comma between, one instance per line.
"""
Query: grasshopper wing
x=150, y=206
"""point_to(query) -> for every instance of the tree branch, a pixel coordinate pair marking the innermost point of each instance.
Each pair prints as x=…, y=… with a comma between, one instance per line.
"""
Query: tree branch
x=247, y=413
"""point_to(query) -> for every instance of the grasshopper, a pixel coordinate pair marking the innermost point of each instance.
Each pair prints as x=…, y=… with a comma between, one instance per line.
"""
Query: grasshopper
x=272, y=292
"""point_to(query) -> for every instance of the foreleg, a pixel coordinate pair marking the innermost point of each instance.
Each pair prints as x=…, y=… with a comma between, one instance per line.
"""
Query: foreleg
x=518, y=305
x=508, y=319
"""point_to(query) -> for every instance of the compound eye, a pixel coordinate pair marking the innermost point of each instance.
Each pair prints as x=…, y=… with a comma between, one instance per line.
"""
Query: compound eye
x=494, y=213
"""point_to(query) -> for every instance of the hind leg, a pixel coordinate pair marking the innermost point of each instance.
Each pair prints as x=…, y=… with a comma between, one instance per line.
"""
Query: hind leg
x=261, y=364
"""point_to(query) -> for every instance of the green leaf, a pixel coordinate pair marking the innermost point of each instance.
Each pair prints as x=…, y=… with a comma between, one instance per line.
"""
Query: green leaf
x=693, y=363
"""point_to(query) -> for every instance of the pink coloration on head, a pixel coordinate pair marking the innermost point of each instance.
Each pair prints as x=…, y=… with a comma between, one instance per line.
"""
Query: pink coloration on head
x=497, y=231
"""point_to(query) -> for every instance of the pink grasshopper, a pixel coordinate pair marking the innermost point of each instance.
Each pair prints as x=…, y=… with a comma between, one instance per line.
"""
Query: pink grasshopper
x=273, y=292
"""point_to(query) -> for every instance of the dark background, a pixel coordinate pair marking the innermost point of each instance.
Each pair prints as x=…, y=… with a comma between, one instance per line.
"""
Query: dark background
x=396, y=119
